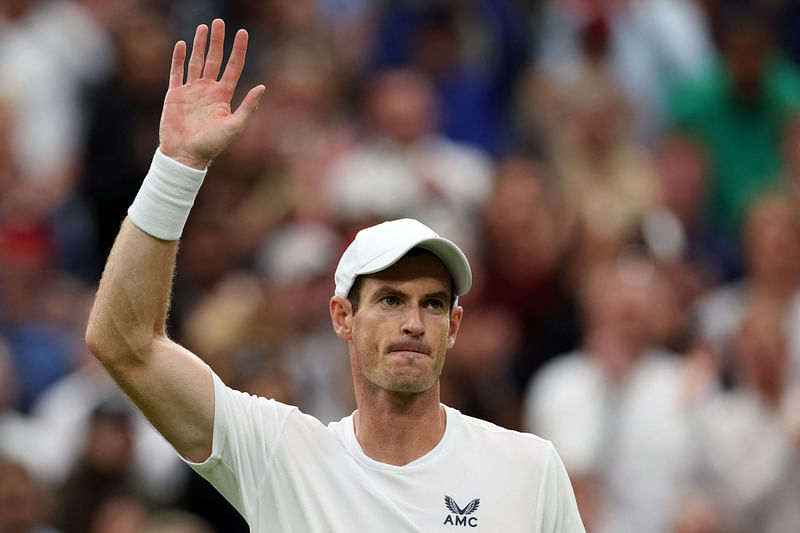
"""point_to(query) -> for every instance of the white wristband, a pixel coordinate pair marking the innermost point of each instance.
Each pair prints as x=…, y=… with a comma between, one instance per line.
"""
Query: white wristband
x=165, y=198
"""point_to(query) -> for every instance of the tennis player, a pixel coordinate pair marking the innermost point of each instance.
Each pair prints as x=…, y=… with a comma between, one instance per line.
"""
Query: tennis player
x=402, y=462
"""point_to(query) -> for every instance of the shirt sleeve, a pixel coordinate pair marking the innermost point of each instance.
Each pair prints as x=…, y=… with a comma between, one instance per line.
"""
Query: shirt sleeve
x=247, y=430
x=558, y=510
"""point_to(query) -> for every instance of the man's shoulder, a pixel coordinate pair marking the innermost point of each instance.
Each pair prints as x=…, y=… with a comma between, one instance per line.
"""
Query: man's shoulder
x=252, y=409
x=508, y=443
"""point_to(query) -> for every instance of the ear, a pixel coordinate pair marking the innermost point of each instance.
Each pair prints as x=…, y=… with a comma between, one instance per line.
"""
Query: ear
x=455, y=321
x=342, y=317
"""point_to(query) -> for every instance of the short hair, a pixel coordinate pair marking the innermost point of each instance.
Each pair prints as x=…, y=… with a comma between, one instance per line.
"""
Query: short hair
x=354, y=296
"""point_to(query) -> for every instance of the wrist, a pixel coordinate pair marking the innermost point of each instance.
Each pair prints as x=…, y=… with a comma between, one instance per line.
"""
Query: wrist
x=165, y=198
x=184, y=158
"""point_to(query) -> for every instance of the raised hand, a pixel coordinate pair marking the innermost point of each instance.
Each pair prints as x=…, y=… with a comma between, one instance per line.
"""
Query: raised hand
x=197, y=122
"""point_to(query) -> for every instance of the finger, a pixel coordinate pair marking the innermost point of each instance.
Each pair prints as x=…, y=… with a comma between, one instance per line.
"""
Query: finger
x=249, y=105
x=176, y=68
x=236, y=61
x=214, y=58
x=198, y=53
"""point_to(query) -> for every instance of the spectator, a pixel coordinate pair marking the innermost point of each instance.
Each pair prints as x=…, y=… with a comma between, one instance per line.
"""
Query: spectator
x=744, y=100
x=103, y=472
x=22, y=502
x=43, y=78
x=751, y=435
x=297, y=264
x=615, y=408
x=678, y=228
x=648, y=46
x=406, y=168
x=472, y=52
x=522, y=307
x=62, y=417
x=608, y=178
x=772, y=254
x=299, y=131
x=123, y=122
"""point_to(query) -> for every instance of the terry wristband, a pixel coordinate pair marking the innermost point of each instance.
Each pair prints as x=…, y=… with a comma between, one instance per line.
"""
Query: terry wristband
x=165, y=198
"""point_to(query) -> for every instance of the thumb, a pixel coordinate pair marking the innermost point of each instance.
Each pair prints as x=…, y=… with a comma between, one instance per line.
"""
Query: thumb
x=249, y=105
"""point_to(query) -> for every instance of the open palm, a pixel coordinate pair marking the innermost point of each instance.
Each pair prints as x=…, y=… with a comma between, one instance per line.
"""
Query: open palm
x=197, y=122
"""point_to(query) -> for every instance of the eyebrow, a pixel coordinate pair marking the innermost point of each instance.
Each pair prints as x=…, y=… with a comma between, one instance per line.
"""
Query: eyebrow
x=387, y=290
x=442, y=295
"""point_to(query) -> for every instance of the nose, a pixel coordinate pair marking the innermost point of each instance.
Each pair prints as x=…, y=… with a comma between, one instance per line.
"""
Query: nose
x=412, y=321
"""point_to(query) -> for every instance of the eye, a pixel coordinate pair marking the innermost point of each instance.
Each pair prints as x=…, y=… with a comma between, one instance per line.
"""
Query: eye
x=389, y=300
x=436, y=305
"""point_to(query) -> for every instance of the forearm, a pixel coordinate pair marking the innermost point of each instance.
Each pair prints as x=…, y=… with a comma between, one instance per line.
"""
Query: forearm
x=131, y=304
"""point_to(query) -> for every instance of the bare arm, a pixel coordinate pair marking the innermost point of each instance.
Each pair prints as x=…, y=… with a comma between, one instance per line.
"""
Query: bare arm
x=126, y=329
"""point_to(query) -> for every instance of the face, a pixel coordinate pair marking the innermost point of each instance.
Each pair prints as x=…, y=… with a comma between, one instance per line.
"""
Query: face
x=20, y=505
x=403, y=326
x=746, y=51
x=682, y=172
x=761, y=348
x=402, y=105
x=520, y=222
x=618, y=298
x=773, y=241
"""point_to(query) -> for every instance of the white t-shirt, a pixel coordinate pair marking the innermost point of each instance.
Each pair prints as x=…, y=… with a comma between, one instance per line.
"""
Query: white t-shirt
x=751, y=458
x=284, y=471
x=634, y=437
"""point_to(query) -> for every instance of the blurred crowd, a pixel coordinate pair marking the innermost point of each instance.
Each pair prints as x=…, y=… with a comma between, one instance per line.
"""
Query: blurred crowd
x=623, y=174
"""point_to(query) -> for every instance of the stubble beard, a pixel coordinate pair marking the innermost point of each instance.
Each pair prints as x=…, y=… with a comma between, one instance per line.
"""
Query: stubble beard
x=384, y=378
x=404, y=384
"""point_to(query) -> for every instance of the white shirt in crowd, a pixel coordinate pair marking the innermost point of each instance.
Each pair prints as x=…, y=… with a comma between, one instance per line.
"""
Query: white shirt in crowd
x=753, y=459
x=46, y=58
x=441, y=182
x=633, y=437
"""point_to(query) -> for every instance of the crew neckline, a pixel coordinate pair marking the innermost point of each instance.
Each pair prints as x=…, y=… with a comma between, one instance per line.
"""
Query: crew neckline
x=348, y=435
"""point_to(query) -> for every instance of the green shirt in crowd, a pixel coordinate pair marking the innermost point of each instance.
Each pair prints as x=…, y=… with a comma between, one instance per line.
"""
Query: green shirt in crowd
x=743, y=137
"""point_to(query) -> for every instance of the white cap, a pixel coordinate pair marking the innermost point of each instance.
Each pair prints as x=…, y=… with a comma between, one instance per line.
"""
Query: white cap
x=378, y=247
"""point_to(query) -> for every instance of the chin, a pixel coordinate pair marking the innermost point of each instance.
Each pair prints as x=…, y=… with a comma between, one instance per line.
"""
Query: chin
x=403, y=384
x=410, y=388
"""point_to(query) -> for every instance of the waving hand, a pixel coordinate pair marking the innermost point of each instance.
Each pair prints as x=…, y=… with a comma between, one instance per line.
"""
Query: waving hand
x=197, y=122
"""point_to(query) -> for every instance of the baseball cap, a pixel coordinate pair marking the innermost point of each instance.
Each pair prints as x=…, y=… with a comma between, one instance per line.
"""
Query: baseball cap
x=378, y=247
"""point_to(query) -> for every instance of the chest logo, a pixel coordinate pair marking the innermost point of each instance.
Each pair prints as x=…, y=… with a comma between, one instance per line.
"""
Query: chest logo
x=461, y=517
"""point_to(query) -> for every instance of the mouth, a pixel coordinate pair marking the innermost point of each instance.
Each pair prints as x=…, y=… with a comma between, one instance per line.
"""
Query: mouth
x=410, y=350
x=408, y=355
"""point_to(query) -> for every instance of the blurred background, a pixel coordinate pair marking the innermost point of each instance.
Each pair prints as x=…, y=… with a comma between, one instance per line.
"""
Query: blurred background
x=623, y=174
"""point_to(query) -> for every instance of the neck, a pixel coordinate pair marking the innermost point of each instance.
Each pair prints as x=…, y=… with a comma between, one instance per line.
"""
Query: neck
x=771, y=392
x=616, y=353
x=779, y=289
x=397, y=428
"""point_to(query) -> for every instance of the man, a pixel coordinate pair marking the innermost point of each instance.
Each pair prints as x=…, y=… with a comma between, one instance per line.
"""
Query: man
x=615, y=406
x=402, y=461
x=756, y=491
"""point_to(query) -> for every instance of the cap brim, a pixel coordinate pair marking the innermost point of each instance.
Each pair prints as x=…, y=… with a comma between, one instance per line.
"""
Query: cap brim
x=451, y=255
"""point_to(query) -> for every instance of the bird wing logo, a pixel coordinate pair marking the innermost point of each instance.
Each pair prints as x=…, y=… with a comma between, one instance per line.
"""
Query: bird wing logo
x=470, y=508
